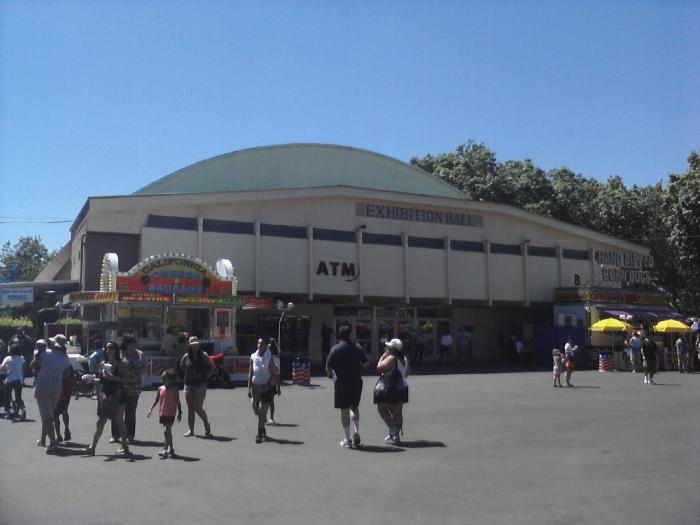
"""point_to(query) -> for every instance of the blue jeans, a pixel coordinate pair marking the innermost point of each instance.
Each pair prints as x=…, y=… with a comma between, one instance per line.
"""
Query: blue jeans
x=17, y=387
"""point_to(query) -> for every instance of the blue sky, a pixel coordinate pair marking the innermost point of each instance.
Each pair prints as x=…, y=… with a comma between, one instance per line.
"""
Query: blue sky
x=101, y=98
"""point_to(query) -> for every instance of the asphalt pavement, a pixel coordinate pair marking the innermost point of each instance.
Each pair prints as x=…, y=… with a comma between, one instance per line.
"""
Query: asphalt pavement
x=489, y=448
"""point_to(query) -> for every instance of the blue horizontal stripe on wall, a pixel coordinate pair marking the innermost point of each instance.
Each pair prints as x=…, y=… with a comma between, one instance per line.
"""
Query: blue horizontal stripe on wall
x=581, y=255
x=381, y=238
x=280, y=230
x=212, y=225
x=426, y=242
x=467, y=246
x=541, y=251
x=505, y=249
x=171, y=223
x=322, y=234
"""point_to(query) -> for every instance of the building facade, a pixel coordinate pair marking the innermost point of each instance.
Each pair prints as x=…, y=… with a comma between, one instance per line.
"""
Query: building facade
x=351, y=236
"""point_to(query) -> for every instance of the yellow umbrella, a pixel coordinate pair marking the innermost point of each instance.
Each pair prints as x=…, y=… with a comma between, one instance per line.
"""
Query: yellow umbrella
x=671, y=326
x=610, y=325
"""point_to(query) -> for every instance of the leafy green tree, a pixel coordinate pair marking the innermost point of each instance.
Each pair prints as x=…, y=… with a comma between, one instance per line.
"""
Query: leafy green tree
x=24, y=260
x=683, y=223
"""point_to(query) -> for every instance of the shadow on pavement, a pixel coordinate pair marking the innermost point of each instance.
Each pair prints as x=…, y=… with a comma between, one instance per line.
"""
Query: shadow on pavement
x=27, y=420
x=283, y=441
x=63, y=452
x=667, y=384
x=375, y=448
x=140, y=443
x=576, y=387
x=184, y=458
x=223, y=439
x=131, y=457
x=421, y=443
x=72, y=444
x=276, y=424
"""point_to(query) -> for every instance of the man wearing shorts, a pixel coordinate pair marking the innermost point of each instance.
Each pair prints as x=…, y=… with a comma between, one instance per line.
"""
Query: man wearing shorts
x=344, y=366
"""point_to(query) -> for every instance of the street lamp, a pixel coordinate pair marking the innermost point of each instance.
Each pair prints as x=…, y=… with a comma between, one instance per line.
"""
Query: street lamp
x=284, y=308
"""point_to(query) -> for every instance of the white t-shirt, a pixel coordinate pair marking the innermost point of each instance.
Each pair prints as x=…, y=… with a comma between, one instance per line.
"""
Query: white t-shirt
x=261, y=367
x=446, y=340
x=519, y=347
x=14, y=365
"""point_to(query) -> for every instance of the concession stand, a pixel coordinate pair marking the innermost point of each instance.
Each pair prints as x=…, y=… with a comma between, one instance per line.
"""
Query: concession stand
x=173, y=291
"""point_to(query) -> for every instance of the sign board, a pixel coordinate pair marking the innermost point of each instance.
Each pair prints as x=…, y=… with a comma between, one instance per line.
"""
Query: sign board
x=16, y=296
x=624, y=268
x=174, y=274
x=92, y=297
x=404, y=213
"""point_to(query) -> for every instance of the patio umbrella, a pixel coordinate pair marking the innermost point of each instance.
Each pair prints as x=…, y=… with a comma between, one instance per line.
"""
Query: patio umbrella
x=671, y=326
x=610, y=325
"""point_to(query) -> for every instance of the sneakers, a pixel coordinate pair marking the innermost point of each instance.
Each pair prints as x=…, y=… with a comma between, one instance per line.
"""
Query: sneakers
x=392, y=440
x=208, y=434
x=163, y=454
x=40, y=443
x=171, y=453
x=645, y=381
x=346, y=443
x=389, y=438
x=124, y=451
x=114, y=440
x=259, y=438
x=187, y=434
x=356, y=439
x=271, y=422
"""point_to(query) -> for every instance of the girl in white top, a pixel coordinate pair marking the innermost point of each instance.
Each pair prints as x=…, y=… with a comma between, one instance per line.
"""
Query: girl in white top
x=261, y=373
x=392, y=412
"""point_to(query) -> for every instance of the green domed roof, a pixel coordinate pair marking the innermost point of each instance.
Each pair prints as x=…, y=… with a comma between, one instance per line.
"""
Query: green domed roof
x=300, y=166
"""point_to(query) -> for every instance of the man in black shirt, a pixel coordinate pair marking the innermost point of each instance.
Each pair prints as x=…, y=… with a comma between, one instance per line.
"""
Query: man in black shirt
x=649, y=359
x=344, y=366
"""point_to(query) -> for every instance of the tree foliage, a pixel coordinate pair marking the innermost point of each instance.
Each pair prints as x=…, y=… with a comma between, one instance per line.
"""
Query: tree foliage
x=24, y=260
x=665, y=219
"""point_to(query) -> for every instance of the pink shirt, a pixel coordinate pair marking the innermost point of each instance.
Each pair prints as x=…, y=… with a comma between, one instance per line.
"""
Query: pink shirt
x=168, y=401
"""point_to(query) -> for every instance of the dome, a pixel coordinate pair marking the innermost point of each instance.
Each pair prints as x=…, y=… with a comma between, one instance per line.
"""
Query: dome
x=295, y=166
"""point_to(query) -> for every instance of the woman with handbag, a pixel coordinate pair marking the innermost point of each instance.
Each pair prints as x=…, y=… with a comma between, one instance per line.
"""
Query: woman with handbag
x=391, y=391
x=263, y=378
x=198, y=368
x=111, y=397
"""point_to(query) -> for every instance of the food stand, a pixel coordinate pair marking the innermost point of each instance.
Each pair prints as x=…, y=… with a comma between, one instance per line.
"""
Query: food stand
x=171, y=290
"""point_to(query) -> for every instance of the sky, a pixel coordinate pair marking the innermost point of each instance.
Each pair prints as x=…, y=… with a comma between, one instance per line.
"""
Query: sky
x=102, y=98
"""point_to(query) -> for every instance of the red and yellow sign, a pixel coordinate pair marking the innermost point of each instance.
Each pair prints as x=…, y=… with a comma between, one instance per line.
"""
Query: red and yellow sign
x=92, y=297
x=174, y=274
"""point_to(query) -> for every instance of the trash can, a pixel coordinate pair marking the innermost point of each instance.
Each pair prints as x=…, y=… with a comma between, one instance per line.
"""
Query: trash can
x=605, y=362
x=301, y=371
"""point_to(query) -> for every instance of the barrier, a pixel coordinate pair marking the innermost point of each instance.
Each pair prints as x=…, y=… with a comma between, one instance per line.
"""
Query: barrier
x=301, y=371
x=605, y=362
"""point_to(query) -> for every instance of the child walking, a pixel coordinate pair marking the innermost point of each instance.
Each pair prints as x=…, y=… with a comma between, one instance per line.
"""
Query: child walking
x=558, y=359
x=168, y=396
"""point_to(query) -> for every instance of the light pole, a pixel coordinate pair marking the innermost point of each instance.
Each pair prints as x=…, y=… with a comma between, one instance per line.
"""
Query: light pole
x=284, y=308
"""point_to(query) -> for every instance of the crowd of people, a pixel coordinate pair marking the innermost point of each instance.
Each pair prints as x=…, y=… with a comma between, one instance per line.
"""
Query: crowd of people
x=117, y=369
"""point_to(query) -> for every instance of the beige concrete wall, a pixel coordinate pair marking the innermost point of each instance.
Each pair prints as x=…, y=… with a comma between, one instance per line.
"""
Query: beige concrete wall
x=156, y=241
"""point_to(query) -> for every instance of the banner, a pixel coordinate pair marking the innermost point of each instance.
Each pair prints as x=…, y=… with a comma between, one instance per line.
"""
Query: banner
x=92, y=297
x=16, y=296
x=174, y=274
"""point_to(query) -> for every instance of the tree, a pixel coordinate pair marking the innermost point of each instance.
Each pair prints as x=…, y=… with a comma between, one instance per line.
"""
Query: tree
x=683, y=223
x=666, y=220
x=24, y=260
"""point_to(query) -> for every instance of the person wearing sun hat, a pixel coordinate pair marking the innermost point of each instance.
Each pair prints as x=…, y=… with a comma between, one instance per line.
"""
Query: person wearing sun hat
x=198, y=368
x=55, y=369
x=391, y=408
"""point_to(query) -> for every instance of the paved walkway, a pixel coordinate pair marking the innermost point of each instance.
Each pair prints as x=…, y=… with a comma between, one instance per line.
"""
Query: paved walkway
x=478, y=448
